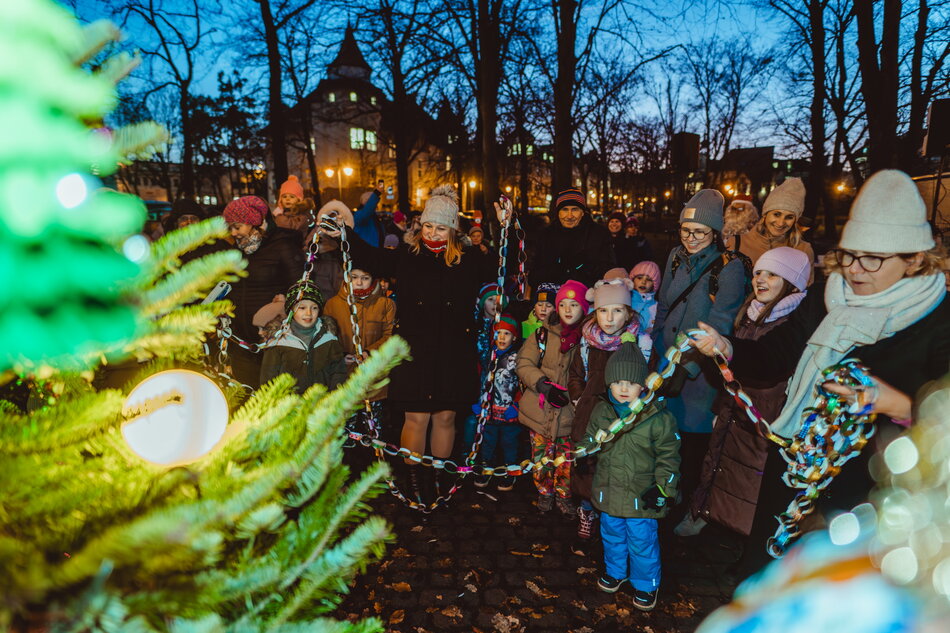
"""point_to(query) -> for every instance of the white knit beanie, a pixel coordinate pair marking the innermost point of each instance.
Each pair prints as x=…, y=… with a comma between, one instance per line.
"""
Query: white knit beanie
x=888, y=216
x=788, y=196
x=442, y=207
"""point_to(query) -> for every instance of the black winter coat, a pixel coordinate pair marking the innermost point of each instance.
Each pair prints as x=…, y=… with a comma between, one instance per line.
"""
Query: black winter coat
x=437, y=318
x=583, y=253
x=907, y=360
x=271, y=270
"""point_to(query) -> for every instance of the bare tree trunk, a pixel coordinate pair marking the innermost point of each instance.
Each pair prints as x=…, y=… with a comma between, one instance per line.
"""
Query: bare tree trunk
x=816, y=175
x=278, y=136
x=186, y=182
x=564, y=95
x=489, y=36
x=879, y=80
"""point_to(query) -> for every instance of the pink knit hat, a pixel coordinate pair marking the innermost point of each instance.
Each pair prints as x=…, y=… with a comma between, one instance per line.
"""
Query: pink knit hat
x=246, y=210
x=789, y=263
x=650, y=269
x=573, y=290
x=611, y=292
x=292, y=185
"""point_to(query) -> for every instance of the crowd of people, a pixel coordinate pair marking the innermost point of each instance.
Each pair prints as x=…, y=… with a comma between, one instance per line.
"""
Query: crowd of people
x=600, y=311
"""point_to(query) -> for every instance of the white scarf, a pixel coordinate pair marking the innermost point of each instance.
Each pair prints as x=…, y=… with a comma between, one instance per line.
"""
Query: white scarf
x=784, y=307
x=853, y=321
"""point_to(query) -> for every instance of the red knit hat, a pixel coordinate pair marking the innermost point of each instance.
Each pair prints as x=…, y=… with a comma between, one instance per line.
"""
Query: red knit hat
x=573, y=290
x=246, y=210
x=508, y=322
x=292, y=185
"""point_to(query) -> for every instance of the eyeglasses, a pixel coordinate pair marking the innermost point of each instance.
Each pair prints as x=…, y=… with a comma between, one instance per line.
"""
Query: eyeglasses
x=695, y=234
x=870, y=263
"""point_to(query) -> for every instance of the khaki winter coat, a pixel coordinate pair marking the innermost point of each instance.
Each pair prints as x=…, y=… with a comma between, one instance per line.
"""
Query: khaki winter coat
x=376, y=316
x=548, y=421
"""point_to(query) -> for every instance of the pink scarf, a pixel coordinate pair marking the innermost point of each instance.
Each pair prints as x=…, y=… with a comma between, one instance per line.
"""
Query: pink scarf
x=783, y=308
x=611, y=342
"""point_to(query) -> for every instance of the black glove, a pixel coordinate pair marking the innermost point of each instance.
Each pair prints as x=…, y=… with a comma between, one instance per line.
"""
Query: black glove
x=556, y=395
x=654, y=498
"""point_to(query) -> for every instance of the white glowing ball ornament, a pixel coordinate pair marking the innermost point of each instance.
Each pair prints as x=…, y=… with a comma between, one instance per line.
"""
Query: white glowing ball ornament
x=178, y=416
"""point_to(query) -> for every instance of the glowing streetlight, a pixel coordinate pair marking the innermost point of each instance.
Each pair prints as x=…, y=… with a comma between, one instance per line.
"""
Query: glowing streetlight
x=729, y=189
x=666, y=194
x=472, y=184
x=340, y=172
x=840, y=187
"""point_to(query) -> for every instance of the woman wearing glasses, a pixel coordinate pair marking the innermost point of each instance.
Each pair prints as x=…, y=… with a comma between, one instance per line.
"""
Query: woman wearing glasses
x=699, y=284
x=884, y=303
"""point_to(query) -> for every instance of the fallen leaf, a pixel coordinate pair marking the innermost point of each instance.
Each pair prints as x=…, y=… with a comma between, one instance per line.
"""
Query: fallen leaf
x=471, y=587
x=418, y=528
x=577, y=604
x=538, y=547
x=517, y=553
x=452, y=612
x=400, y=552
x=397, y=617
x=514, y=521
x=402, y=587
x=585, y=629
x=539, y=591
x=506, y=623
x=586, y=570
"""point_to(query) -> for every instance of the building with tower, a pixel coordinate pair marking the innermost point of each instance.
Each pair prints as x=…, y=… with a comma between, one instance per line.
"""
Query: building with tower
x=342, y=137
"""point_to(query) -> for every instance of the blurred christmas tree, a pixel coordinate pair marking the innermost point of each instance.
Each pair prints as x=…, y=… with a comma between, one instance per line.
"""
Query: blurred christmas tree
x=244, y=522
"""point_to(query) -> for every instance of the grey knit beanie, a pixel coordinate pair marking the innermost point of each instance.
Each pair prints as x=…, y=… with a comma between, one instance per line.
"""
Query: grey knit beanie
x=627, y=363
x=888, y=216
x=705, y=208
x=788, y=196
x=442, y=207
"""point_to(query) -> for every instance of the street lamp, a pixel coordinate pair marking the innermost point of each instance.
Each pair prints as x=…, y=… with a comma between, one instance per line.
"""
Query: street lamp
x=340, y=172
x=840, y=187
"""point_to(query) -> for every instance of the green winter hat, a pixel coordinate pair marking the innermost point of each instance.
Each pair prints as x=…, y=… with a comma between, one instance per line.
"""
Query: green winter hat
x=627, y=363
x=310, y=292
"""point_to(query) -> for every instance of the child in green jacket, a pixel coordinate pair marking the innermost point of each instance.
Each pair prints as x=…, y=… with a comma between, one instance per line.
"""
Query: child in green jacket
x=636, y=474
x=310, y=350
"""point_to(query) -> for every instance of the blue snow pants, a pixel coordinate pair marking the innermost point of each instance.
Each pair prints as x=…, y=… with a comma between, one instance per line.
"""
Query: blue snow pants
x=631, y=550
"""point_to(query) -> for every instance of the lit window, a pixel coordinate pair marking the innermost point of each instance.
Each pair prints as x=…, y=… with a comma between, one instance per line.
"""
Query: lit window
x=372, y=100
x=529, y=150
x=448, y=163
x=352, y=96
x=207, y=200
x=331, y=97
x=362, y=139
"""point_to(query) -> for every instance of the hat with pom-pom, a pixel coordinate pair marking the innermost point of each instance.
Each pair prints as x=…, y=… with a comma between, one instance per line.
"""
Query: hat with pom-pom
x=292, y=185
x=611, y=292
x=507, y=322
x=442, y=207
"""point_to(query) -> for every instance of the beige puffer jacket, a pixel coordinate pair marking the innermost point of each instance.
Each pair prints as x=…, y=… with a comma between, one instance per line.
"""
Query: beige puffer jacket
x=549, y=421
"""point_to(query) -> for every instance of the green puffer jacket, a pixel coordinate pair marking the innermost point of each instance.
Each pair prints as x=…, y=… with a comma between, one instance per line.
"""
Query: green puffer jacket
x=322, y=361
x=635, y=460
